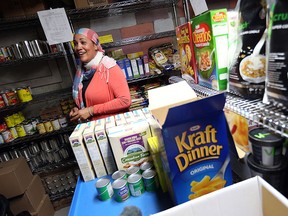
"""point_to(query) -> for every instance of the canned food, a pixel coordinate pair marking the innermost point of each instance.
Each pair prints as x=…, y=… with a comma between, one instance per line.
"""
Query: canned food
x=28, y=127
x=55, y=124
x=120, y=174
x=146, y=166
x=20, y=130
x=63, y=121
x=136, y=184
x=10, y=97
x=133, y=170
x=104, y=188
x=41, y=128
x=150, y=180
x=3, y=126
x=7, y=136
x=121, y=190
x=48, y=126
x=2, y=102
x=1, y=139
x=9, y=120
x=17, y=118
x=24, y=94
x=14, y=132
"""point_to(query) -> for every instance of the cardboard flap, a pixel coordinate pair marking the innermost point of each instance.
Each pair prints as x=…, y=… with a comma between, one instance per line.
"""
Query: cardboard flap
x=163, y=98
x=195, y=110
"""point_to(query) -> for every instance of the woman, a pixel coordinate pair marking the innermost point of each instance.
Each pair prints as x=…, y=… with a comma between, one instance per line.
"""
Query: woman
x=100, y=88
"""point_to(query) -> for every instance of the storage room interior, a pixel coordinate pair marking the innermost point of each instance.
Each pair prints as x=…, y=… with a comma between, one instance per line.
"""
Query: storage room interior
x=41, y=166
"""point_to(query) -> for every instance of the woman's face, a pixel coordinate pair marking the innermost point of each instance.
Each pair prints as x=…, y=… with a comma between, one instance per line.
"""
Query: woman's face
x=84, y=48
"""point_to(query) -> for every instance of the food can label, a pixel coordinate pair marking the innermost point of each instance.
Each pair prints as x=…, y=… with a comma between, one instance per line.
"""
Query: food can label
x=11, y=98
x=24, y=94
x=1, y=139
x=14, y=132
x=9, y=120
x=2, y=102
x=56, y=125
x=136, y=184
x=7, y=136
x=20, y=130
x=150, y=180
x=41, y=128
x=121, y=190
x=63, y=122
x=48, y=126
x=104, y=188
x=29, y=128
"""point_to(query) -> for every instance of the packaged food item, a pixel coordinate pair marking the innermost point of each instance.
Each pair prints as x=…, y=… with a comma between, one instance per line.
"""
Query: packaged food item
x=186, y=50
x=277, y=79
x=161, y=55
x=247, y=72
x=210, y=38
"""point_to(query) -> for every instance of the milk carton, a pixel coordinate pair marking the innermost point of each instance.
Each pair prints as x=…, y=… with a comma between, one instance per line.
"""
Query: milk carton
x=119, y=119
x=93, y=149
x=138, y=115
x=129, y=117
x=80, y=152
x=103, y=143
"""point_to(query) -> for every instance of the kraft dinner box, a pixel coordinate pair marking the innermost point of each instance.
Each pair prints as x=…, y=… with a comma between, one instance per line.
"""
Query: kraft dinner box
x=195, y=144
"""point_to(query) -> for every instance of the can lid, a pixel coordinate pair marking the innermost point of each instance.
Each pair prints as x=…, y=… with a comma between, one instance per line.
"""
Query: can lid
x=265, y=137
x=102, y=182
x=266, y=169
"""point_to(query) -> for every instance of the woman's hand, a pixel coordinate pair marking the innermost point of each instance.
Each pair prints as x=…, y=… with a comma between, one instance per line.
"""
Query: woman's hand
x=76, y=114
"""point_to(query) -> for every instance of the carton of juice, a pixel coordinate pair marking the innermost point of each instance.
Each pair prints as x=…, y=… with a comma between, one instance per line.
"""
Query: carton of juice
x=210, y=38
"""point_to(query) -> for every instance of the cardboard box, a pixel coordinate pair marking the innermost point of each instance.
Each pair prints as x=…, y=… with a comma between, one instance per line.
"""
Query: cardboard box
x=252, y=197
x=77, y=143
x=45, y=208
x=31, y=199
x=15, y=176
x=186, y=50
x=103, y=143
x=89, y=3
x=93, y=149
x=195, y=145
x=11, y=8
x=210, y=38
x=129, y=143
x=31, y=7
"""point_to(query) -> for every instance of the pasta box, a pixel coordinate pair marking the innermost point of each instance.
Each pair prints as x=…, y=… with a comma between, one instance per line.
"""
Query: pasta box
x=195, y=145
x=210, y=38
x=251, y=197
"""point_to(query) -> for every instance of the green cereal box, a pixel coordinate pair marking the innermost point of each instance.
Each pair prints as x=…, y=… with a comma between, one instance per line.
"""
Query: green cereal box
x=195, y=146
x=210, y=38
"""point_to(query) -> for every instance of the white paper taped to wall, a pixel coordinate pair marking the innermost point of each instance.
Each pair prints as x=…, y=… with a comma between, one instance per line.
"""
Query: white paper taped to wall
x=199, y=6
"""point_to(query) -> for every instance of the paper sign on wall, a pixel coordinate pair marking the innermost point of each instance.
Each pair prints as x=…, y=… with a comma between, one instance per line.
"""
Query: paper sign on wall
x=55, y=25
x=198, y=6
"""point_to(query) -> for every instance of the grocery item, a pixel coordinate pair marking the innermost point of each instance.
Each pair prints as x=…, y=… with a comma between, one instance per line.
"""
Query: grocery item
x=210, y=38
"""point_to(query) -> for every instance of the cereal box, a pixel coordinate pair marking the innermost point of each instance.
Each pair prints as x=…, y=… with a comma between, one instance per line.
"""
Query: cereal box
x=186, y=50
x=210, y=38
x=195, y=145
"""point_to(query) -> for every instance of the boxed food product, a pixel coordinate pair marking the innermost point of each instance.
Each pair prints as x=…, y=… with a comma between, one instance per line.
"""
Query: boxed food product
x=77, y=143
x=129, y=143
x=31, y=199
x=15, y=176
x=186, y=50
x=210, y=38
x=89, y=3
x=252, y=197
x=45, y=208
x=103, y=142
x=195, y=145
x=93, y=149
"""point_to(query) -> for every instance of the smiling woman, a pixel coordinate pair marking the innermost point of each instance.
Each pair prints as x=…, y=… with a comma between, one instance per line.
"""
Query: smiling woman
x=100, y=88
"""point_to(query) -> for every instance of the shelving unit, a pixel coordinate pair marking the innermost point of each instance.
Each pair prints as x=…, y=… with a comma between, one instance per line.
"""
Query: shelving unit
x=272, y=116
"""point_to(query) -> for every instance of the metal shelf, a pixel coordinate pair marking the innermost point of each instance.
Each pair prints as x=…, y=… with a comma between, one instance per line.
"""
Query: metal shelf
x=138, y=39
x=272, y=116
x=75, y=15
x=29, y=138
x=144, y=78
x=118, y=8
x=48, y=56
x=53, y=167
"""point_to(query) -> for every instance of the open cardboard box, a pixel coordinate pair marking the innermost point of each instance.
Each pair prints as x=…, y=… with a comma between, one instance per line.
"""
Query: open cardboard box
x=252, y=197
x=193, y=142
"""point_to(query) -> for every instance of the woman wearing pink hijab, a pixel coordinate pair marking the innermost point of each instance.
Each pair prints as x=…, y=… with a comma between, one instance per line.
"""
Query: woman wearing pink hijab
x=100, y=88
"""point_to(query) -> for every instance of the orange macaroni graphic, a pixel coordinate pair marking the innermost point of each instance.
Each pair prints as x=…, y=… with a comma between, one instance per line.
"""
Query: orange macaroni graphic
x=205, y=186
